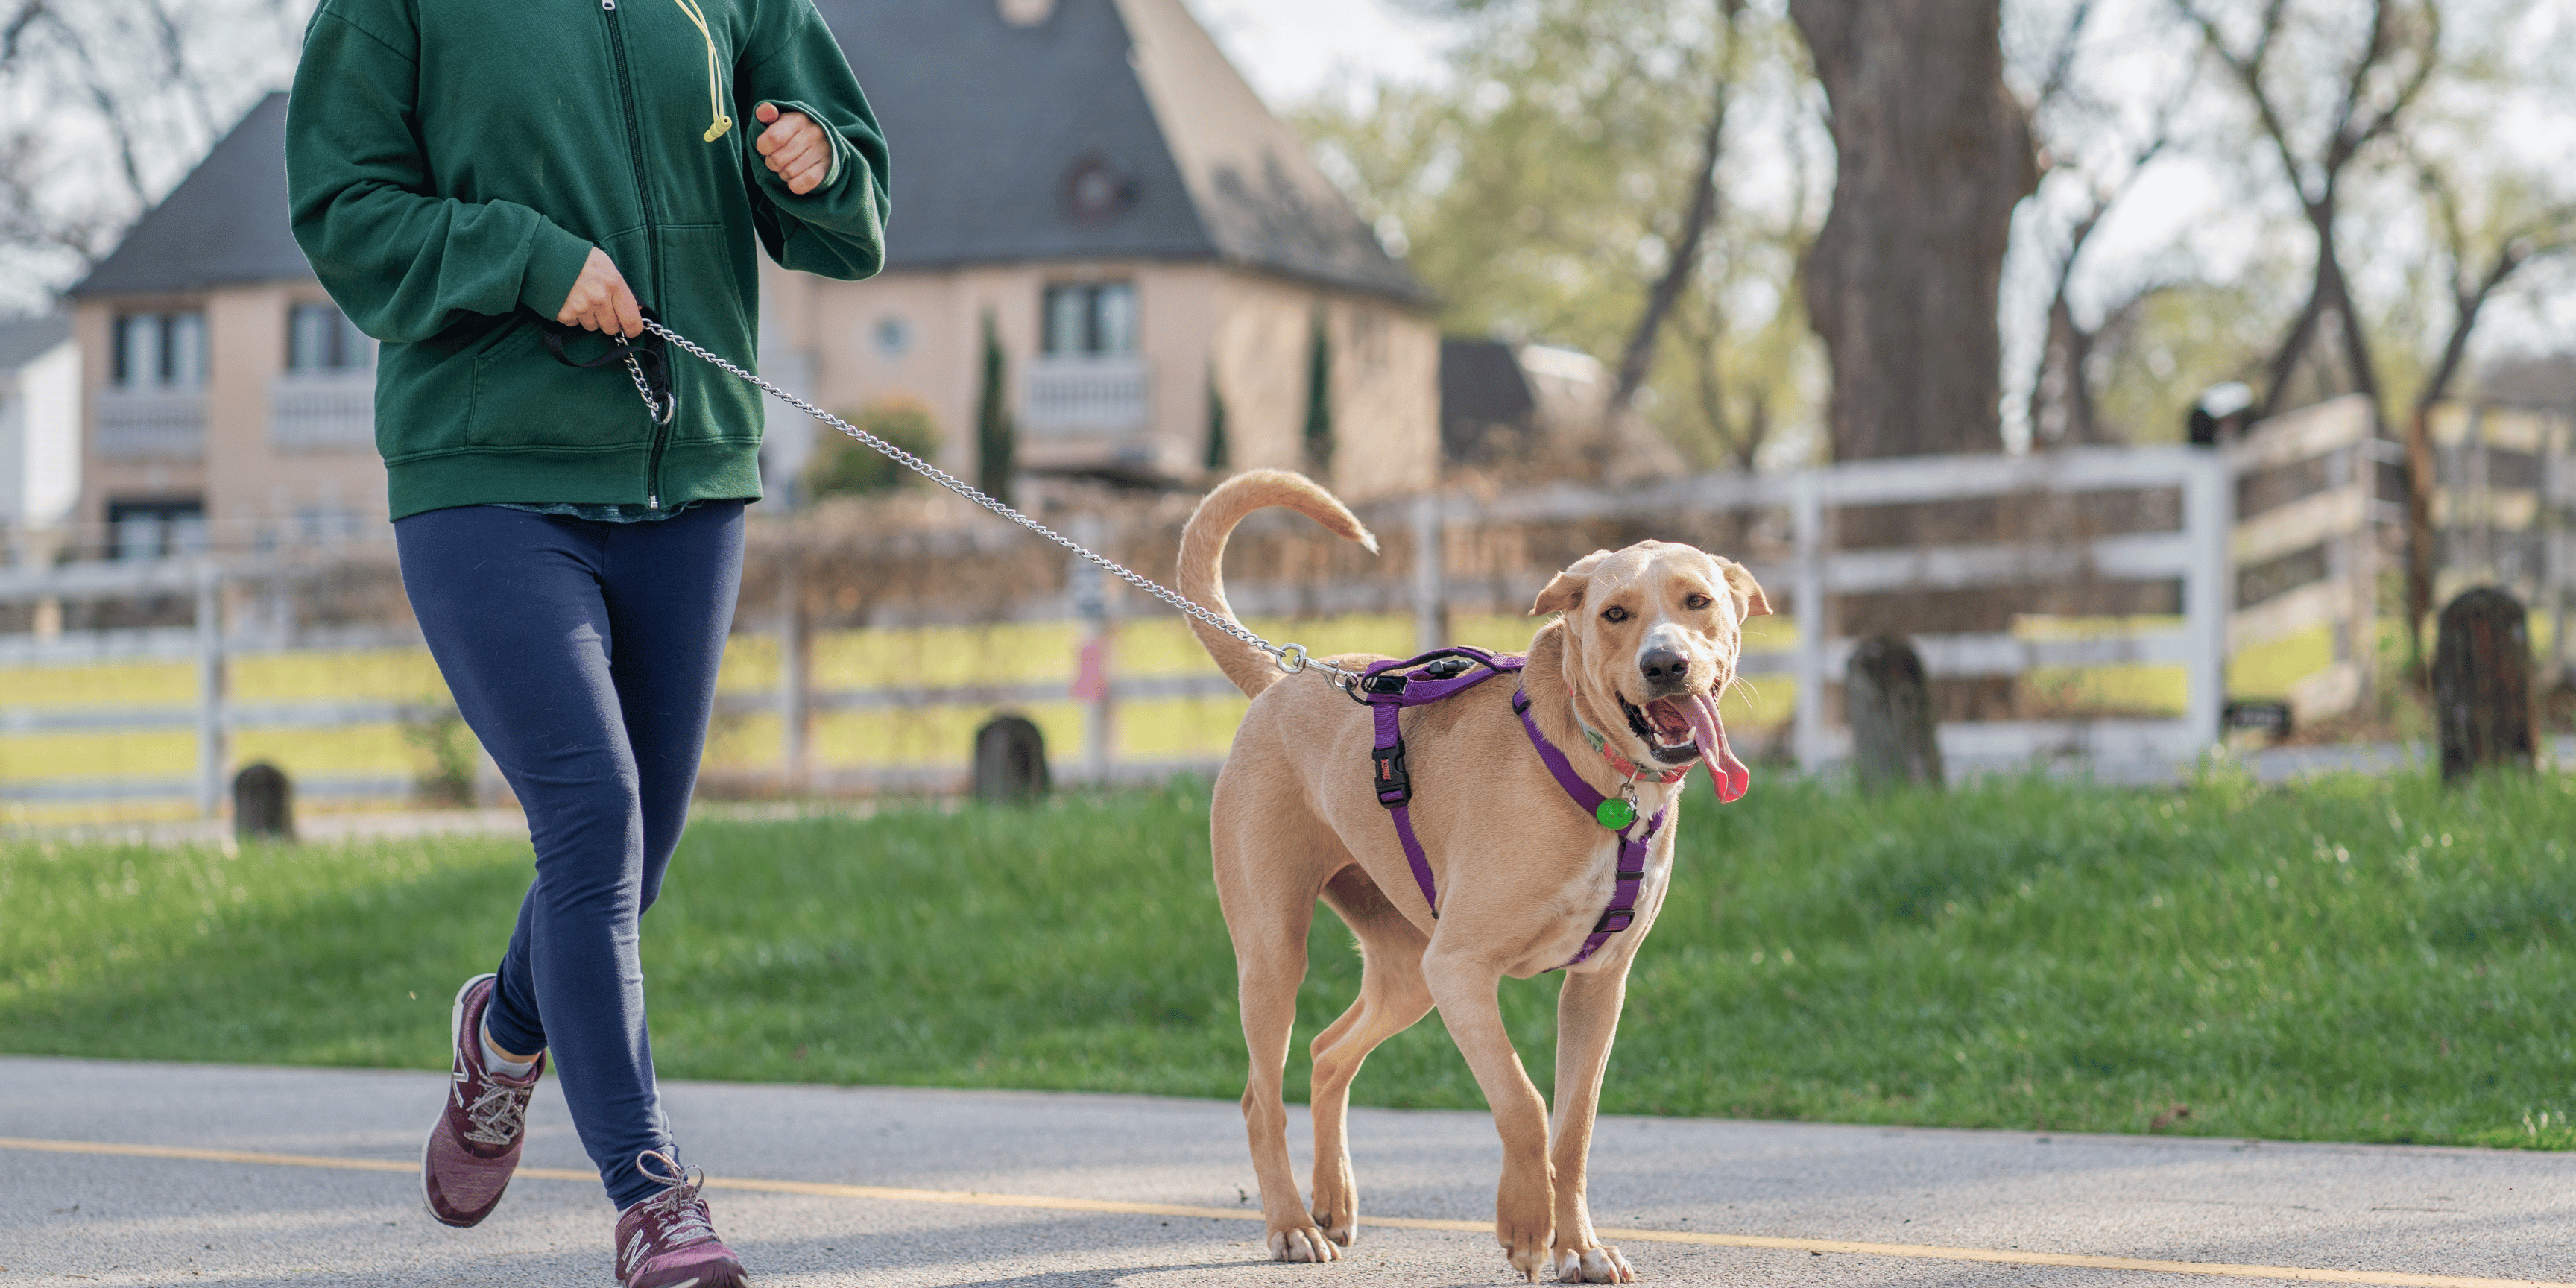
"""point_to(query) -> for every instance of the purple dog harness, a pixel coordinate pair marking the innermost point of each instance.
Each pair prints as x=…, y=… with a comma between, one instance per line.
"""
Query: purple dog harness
x=1389, y=687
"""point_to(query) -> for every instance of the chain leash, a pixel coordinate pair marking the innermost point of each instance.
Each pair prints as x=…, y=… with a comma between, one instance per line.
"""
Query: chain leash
x=1291, y=658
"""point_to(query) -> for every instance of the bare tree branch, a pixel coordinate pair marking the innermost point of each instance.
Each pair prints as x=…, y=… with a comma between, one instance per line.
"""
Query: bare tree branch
x=14, y=32
x=2318, y=182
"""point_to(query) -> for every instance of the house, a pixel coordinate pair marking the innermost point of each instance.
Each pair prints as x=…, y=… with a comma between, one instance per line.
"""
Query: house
x=39, y=423
x=225, y=399
x=1155, y=255
x=1529, y=406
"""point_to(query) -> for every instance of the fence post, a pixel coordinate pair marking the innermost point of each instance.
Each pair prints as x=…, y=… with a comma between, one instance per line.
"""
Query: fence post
x=1430, y=597
x=1896, y=738
x=795, y=672
x=210, y=689
x=1090, y=592
x=2554, y=541
x=2482, y=683
x=2208, y=522
x=1807, y=595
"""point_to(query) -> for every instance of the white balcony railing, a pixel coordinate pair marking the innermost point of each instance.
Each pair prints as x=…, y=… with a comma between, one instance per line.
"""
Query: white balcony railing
x=331, y=412
x=1062, y=396
x=152, y=424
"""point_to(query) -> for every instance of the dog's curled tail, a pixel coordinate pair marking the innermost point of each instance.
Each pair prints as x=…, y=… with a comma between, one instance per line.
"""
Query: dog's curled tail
x=1202, y=576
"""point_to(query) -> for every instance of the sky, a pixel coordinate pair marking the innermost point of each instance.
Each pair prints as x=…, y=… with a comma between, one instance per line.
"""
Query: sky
x=1293, y=49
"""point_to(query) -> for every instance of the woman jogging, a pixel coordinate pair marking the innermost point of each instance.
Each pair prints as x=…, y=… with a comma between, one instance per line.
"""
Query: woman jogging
x=482, y=185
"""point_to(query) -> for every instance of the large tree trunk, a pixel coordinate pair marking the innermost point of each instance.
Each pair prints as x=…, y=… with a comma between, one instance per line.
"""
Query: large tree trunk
x=1934, y=155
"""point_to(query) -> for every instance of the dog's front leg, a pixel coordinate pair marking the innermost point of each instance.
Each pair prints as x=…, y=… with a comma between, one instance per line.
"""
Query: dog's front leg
x=1464, y=989
x=1587, y=1016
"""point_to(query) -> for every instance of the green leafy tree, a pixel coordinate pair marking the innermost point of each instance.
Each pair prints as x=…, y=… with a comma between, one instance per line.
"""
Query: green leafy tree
x=1220, y=453
x=1566, y=183
x=844, y=466
x=1319, y=401
x=996, y=437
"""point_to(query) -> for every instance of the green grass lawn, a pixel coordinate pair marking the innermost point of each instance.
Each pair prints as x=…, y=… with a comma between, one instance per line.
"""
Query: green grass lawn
x=2346, y=959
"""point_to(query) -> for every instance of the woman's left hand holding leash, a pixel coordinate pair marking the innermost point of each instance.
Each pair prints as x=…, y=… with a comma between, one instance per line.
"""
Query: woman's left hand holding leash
x=794, y=148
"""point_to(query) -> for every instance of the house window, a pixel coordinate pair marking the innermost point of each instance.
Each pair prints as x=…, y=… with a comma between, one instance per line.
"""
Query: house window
x=161, y=350
x=157, y=527
x=893, y=337
x=1094, y=319
x=320, y=338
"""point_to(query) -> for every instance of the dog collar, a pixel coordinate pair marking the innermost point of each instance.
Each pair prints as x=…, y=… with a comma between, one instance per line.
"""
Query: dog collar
x=1625, y=767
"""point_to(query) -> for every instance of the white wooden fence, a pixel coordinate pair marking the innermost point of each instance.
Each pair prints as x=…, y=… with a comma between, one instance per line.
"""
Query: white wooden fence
x=2196, y=553
x=2504, y=508
x=2308, y=542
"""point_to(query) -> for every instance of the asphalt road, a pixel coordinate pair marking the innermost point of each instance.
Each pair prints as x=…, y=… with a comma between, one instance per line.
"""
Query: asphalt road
x=902, y=1187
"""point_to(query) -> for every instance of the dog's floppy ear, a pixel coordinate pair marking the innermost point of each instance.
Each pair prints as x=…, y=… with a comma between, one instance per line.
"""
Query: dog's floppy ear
x=1565, y=590
x=1749, y=600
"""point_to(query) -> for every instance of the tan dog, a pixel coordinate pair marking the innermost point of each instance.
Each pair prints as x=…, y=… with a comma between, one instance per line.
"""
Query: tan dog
x=1648, y=637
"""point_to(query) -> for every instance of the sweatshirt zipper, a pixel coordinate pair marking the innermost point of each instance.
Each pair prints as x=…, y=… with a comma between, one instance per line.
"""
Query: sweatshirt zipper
x=652, y=229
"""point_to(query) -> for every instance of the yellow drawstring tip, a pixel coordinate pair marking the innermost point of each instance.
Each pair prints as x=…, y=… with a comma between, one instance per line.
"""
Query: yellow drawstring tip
x=717, y=130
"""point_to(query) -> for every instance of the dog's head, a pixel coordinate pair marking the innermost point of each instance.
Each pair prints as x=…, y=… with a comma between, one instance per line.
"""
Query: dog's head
x=1651, y=638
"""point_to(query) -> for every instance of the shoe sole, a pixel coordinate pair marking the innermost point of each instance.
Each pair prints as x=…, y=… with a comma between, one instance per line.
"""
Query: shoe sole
x=455, y=1022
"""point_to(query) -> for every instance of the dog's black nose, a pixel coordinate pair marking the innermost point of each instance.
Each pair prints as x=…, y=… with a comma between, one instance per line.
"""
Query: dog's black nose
x=1663, y=665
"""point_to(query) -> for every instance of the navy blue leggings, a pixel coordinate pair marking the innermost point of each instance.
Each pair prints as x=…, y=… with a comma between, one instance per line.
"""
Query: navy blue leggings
x=584, y=655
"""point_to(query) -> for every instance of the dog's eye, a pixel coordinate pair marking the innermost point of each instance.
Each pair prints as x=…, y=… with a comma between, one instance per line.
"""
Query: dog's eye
x=1614, y=613
x=1697, y=602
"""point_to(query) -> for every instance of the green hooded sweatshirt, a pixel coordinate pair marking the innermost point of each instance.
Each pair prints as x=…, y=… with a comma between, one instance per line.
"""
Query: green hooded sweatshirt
x=450, y=165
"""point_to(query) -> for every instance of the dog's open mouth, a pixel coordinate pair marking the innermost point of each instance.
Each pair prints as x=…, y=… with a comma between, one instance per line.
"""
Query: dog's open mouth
x=1681, y=729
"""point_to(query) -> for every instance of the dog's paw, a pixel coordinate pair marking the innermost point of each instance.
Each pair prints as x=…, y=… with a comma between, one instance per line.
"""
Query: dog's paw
x=1341, y=1227
x=1527, y=1249
x=1602, y=1265
x=1303, y=1244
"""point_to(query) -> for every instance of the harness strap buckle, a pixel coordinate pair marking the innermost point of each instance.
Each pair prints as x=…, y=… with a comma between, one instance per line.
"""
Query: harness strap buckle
x=1388, y=777
x=1625, y=916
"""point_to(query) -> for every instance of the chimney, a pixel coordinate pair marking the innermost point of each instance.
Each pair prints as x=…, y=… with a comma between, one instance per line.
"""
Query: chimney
x=1026, y=13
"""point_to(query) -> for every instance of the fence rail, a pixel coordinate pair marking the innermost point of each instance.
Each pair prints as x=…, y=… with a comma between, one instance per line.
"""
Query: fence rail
x=2310, y=477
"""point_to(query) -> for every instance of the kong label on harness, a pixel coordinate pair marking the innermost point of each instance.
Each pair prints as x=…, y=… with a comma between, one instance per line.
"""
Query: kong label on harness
x=1394, y=786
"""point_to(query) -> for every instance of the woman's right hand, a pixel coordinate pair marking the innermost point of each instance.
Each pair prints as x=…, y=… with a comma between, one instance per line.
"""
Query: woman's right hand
x=600, y=300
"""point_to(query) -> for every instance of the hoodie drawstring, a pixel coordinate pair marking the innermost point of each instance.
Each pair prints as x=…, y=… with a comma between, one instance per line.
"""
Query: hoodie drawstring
x=715, y=86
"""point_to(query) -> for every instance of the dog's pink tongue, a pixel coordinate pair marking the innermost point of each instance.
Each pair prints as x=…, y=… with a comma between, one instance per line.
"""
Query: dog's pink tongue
x=1726, y=774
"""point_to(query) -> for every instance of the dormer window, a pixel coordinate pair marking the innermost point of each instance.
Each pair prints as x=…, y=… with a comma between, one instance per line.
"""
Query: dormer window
x=1091, y=319
x=320, y=340
x=161, y=351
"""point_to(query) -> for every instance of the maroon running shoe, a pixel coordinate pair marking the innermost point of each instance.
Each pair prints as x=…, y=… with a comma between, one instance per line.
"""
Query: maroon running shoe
x=475, y=1145
x=667, y=1241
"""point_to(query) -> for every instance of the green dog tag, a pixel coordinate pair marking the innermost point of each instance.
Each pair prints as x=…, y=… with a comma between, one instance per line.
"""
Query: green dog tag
x=1615, y=813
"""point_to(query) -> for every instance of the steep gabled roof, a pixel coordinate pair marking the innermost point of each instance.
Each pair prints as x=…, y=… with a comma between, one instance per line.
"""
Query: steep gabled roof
x=224, y=223
x=988, y=123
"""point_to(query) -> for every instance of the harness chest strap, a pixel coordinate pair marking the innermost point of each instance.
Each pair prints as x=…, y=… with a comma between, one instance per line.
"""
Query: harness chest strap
x=1634, y=841
x=1389, y=687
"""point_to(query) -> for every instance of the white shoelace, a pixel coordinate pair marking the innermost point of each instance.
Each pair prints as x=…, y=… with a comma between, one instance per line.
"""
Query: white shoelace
x=686, y=1219
x=498, y=1115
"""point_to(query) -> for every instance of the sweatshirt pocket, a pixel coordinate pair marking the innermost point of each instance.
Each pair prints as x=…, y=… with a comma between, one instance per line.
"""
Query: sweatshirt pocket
x=524, y=398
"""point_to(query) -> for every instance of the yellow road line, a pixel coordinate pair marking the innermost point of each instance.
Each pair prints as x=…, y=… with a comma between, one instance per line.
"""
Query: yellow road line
x=825, y=1189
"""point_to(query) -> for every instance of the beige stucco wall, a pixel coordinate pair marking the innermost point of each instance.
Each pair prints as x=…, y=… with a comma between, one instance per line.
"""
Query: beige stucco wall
x=245, y=483
x=1252, y=332
x=248, y=481
x=103, y=479
x=1385, y=379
